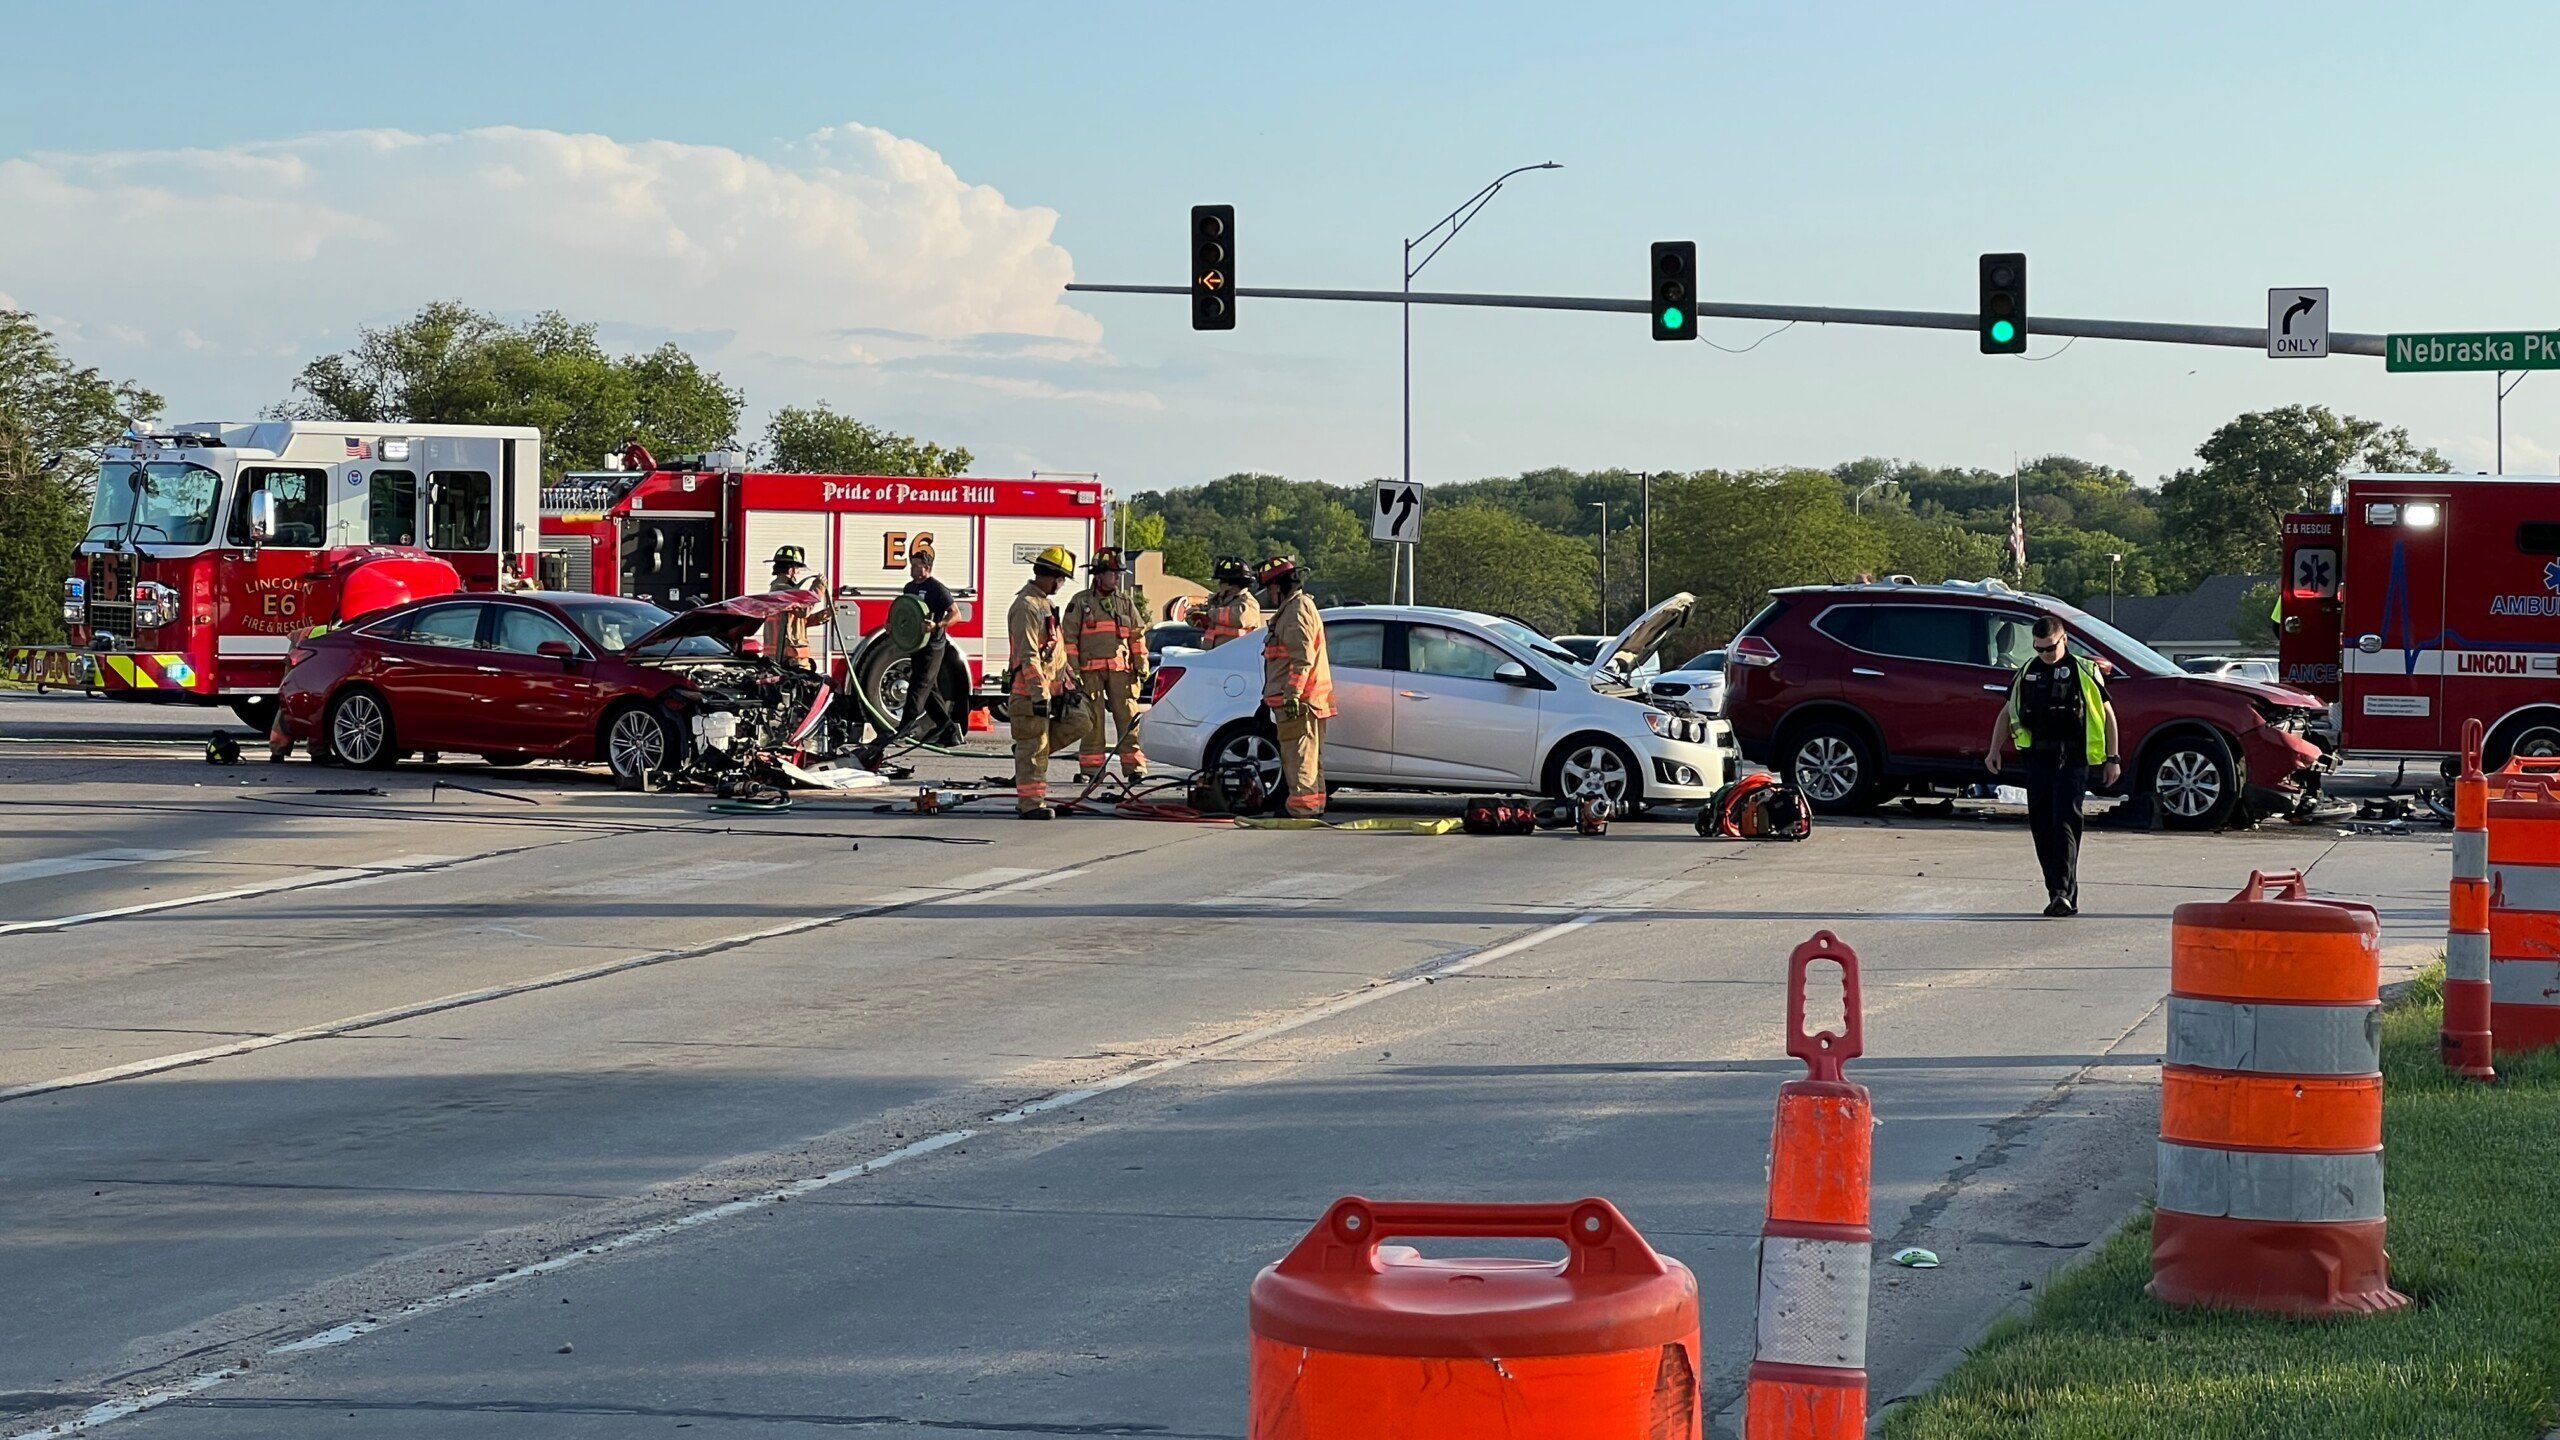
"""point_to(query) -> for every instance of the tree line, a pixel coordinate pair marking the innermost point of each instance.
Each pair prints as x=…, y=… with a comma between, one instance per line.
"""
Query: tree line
x=1525, y=545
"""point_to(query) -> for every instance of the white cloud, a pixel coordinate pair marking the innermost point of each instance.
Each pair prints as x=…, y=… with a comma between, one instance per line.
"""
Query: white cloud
x=210, y=273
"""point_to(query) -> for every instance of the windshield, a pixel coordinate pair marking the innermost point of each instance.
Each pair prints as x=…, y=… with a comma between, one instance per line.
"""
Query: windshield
x=1528, y=639
x=1712, y=660
x=2127, y=649
x=165, y=502
x=614, y=624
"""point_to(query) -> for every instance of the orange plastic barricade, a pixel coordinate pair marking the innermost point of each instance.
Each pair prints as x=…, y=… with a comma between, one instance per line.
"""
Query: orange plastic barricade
x=2523, y=911
x=1356, y=1340
x=1808, y=1378
x=2270, y=1183
x=2465, y=1037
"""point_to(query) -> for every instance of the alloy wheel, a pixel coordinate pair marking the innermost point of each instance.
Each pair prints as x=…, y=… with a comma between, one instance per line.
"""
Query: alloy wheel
x=1582, y=764
x=1827, y=768
x=1256, y=750
x=2188, y=783
x=637, y=744
x=356, y=732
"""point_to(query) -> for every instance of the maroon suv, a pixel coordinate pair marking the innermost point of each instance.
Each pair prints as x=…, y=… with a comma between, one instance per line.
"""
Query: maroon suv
x=1858, y=691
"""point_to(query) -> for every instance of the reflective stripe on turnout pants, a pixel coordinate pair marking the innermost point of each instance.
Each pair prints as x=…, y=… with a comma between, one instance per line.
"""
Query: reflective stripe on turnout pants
x=1302, y=764
x=1035, y=738
x=1114, y=692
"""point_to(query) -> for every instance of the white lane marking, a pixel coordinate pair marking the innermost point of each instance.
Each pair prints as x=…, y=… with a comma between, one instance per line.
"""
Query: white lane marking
x=336, y=1336
x=372, y=874
x=87, y=860
x=682, y=877
x=328, y=1029
x=1290, y=892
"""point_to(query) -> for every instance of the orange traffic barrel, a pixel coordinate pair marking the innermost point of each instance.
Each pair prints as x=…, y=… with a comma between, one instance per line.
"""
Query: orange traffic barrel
x=2270, y=1178
x=2523, y=913
x=2464, y=1036
x=1354, y=1339
x=1808, y=1377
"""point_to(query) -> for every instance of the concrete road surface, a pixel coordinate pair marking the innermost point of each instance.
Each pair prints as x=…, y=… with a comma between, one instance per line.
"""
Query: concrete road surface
x=537, y=1109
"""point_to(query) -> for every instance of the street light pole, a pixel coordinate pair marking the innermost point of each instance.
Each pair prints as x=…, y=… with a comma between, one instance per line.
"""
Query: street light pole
x=2504, y=390
x=1604, y=564
x=1858, y=502
x=2113, y=560
x=1648, y=539
x=1455, y=221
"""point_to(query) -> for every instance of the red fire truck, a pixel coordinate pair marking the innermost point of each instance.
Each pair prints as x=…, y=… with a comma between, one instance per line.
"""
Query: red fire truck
x=705, y=528
x=2424, y=601
x=211, y=543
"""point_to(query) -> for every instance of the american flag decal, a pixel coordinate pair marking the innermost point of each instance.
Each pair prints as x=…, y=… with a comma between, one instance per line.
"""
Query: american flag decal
x=359, y=449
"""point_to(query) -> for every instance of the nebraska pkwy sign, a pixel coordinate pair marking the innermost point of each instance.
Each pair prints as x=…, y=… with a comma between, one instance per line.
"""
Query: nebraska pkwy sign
x=2474, y=350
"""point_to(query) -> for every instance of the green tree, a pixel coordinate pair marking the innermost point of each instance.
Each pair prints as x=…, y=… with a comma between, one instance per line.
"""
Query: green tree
x=2222, y=518
x=452, y=365
x=1480, y=556
x=815, y=440
x=55, y=418
x=1731, y=537
x=2255, y=624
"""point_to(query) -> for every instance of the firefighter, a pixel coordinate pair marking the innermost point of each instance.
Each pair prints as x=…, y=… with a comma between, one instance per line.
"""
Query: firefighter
x=1297, y=683
x=1232, y=611
x=1042, y=704
x=786, y=636
x=1109, y=639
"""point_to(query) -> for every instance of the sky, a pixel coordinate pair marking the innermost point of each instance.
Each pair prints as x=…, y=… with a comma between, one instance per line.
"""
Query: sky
x=879, y=205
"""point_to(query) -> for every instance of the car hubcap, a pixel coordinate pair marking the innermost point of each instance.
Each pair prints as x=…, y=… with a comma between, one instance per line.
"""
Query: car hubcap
x=358, y=733
x=1827, y=768
x=1591, y=760
x=1256, y=752
x=638, y=745
x=2188, y=783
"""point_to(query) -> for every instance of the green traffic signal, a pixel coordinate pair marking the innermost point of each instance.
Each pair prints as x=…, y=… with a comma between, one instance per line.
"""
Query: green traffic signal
x=1671, y=318
x=2002, y=332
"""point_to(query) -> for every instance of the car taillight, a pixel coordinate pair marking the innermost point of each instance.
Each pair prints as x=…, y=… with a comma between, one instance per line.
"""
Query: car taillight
x=1751, y=650
x=1166, y=675
x=295, y=656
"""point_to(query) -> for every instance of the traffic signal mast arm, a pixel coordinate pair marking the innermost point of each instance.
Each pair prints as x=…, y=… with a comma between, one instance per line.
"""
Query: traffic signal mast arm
x=2240, y=337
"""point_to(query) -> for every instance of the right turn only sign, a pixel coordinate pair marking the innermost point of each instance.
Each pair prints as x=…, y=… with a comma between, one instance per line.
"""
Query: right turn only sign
x=2298, y=322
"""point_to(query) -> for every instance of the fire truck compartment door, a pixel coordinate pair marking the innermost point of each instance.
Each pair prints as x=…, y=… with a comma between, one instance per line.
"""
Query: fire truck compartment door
x=2392, y=691
x=874, y=549
x=1011, y=542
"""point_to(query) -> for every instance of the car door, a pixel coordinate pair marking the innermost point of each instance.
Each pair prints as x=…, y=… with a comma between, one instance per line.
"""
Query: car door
x=523, y=699
x=2393, y=685
x=1455, y=722
x=424, y=666
x=1359, y=742
x=1923, y=673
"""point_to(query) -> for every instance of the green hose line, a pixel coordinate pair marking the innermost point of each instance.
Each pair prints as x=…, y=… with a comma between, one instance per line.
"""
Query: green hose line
x=889, y=727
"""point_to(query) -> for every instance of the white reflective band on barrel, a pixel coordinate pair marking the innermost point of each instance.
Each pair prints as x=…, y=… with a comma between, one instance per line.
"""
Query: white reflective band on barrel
x=2263, y=1185
x=2466, y=956
x=2470, y=854
x=2524, y=887
x=2275, y=1039
x=1813, y=1302
x=2519, y=982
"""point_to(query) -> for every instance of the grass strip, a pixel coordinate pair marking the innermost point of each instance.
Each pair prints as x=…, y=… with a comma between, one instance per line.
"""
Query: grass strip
x=2473, y=1186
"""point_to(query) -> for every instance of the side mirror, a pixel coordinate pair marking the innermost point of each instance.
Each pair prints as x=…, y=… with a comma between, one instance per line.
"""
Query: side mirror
x=262, y=517
x=560, y=650
x=1511, y=672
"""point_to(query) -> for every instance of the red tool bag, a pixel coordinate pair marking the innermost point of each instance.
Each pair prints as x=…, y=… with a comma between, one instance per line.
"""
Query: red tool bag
x=1756, y=807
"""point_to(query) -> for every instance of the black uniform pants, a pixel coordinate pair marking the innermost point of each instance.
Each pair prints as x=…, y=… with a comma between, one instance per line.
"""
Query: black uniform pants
x=2054, y=793
x=924, y=685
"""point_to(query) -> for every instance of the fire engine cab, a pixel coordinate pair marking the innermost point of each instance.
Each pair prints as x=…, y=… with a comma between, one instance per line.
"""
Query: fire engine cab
x=2424, y=601
x=210, y=544
x=703, y=528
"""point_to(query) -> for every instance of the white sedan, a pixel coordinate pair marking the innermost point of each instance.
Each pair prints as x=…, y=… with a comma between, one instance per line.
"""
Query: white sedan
x=1433, y=699
x=1697, y=687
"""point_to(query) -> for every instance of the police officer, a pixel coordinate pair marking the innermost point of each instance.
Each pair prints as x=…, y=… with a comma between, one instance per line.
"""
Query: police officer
x=786, y=636
x=1232, y=611
x=1041, y=700
x=1297, y=683
x=2058, y=716
x=1109, y=640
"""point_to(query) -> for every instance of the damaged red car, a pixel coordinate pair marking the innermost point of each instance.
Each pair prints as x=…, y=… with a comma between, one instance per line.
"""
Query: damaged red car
x=556, y=676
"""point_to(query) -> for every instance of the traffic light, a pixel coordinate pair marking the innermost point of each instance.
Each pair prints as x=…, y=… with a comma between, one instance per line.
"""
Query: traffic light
x=1213, y=267
x=2002, y=323
x=1675, y=289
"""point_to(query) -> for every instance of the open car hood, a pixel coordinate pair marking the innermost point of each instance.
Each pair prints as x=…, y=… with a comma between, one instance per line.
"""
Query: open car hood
x=1640, y=639
x=729, y=621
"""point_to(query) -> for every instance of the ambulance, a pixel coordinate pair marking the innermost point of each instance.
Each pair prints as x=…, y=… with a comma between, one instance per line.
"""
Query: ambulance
x=211, y=544
x=2420, y=602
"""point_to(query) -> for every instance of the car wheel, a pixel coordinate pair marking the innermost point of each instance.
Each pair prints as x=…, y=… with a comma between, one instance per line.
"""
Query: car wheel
x=359, y=730
x=2191, y=782
x=885, y=678
x=641, y=740
x=258, y=712
x=1835, y=766
x=2533, y=738
x=1253, y=746
x=1585, y=757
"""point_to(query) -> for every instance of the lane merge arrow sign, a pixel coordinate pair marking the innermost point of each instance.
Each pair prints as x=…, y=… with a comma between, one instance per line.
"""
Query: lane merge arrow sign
x=2298, y=322
x=1398, y=517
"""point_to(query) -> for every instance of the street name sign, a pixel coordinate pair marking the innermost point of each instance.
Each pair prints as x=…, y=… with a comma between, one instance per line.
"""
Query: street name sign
x=1398, y=517
x=2474, y=350
x=2298, y=322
